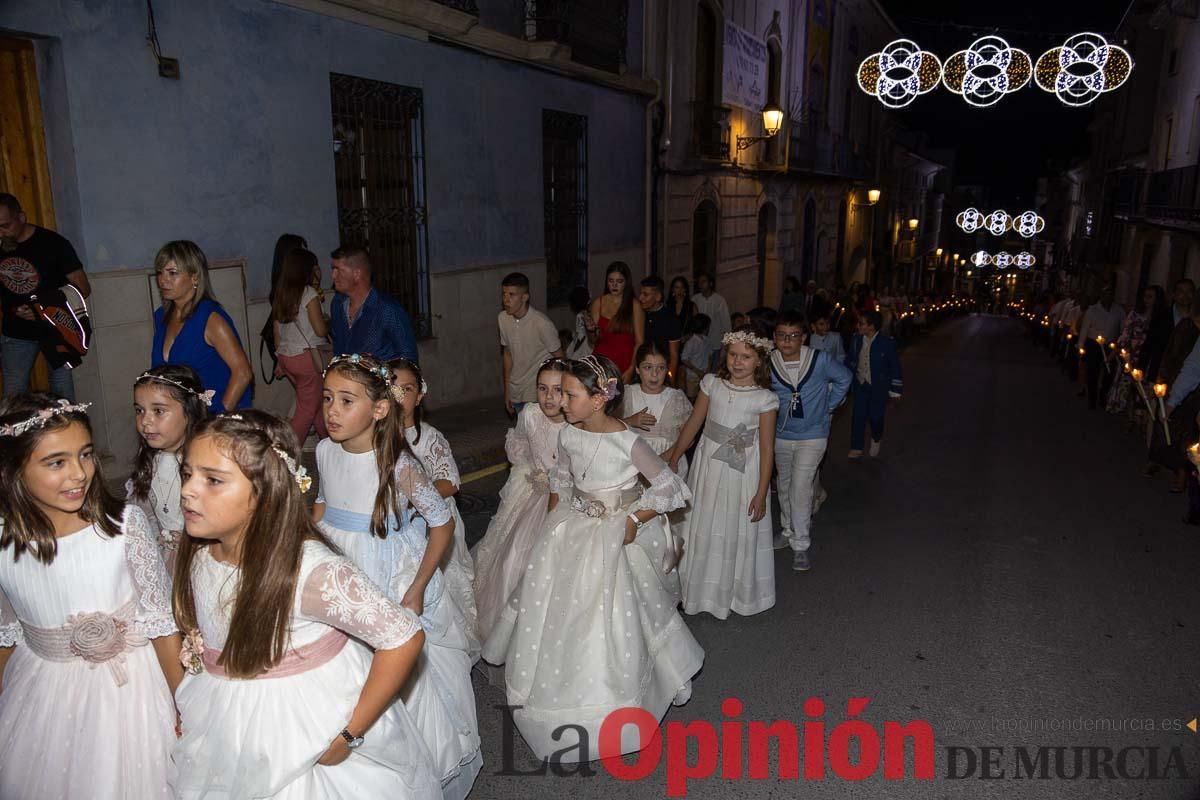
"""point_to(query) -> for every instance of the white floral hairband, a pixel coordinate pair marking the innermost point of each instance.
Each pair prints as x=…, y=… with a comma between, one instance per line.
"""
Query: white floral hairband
x=299, y=473
x=382, y=372
x=746, y=337
x=42, y=416
x=206, y=396
x=606, y=384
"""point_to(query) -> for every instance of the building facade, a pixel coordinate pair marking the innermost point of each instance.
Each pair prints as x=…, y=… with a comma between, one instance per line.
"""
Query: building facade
x=460, y=139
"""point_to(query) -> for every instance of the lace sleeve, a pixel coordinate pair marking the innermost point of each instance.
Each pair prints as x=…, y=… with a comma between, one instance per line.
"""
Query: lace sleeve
x=153, y=617
x=560, y=473
x=675, y=414
x=339, y=594
x=441, y=460
x=516, y=443
x=10, y=626
x=667, y=491
x=415, y=485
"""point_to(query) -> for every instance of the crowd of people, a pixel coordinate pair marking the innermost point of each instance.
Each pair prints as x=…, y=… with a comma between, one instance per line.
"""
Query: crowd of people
x=1142, y=365
x=214, y=633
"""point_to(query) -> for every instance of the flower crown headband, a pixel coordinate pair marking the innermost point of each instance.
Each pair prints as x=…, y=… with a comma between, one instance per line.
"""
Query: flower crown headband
x=298, y=472
x=206, y=396
x=415, y=369
x=42, y=416
x=606, y=384
x=379, y=371
x=746, y=337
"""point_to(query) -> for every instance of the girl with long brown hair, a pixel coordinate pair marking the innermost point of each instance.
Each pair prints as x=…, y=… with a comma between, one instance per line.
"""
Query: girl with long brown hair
x=89, y=653
x=372, y=489
x=619, y=323
x=282, y=698
x=300, y=332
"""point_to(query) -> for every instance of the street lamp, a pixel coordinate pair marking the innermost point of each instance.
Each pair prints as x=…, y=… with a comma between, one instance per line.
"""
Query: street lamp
x=913, y=223
x=772, y=119
x=939, y=252
x=872, y=198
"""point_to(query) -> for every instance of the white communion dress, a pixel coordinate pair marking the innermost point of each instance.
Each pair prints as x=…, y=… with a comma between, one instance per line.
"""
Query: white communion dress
x=594, y=626
x=262, y=737
x=459, y=568
x=163, y=504
x=85, y=710
x=503, y=553
x=671, y=410
x=439, y=695
x=728, y=561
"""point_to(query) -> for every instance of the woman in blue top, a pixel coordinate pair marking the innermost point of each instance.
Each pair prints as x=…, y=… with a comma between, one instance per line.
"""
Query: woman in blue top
x=191, y=327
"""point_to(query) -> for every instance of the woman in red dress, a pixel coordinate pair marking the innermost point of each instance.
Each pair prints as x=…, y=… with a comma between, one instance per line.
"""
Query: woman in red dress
x=618, y=322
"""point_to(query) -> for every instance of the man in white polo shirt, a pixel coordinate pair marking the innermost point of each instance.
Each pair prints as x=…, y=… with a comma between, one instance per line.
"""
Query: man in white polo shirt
x=527, y=338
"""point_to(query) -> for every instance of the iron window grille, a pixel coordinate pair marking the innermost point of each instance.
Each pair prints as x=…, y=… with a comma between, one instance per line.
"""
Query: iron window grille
x=379, y=166
x=564, y=195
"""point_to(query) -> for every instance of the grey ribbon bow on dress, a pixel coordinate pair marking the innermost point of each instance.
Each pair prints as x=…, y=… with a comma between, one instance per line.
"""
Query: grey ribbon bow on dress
x=733, y=443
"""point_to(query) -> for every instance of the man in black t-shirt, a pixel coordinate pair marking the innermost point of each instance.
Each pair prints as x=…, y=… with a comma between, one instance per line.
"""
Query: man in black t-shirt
x=662, y=326
x=33, y=261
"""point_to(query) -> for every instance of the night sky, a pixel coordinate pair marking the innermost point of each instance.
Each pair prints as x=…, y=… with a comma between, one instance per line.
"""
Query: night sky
x=1008, y=145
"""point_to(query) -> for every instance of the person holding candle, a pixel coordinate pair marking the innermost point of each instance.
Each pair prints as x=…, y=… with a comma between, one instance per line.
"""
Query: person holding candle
x=1134, y=330
x=1101, y=324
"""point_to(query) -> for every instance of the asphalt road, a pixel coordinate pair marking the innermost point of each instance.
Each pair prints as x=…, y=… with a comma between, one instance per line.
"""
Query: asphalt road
x=1002, y=572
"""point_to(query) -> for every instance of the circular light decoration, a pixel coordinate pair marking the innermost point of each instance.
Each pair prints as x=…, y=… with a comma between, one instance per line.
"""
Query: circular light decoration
x=899, y=73
x=970, y=220
x=1025, y=260
x=1028, y=224
x=986, y=71
x=1082, y=69
x=981, y=259
x=1002, y=260
x=997, y=223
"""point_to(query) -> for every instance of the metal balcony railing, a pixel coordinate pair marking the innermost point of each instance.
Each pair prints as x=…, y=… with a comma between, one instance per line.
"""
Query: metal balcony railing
x=1172, y=195
x=595, y=30
x=465, y=6
x=710, y=131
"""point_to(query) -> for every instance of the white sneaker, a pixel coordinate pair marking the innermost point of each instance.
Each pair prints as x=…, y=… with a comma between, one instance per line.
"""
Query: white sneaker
x=875, y=448
x=781, y=542
x=855, y=455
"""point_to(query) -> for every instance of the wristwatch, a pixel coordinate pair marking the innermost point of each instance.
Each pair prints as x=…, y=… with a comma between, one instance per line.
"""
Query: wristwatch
x=637, y=523
x=352, y=741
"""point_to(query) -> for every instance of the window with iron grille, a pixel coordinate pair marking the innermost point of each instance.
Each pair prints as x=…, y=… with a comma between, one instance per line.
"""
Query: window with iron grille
x=379, y=163
x=595, y=30
x=564, y=194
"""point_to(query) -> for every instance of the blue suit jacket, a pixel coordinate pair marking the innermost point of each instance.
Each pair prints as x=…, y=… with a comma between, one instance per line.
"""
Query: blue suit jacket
x=885, y=363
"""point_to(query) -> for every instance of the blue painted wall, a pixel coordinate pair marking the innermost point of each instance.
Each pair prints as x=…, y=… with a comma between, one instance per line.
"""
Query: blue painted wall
x=240, y=149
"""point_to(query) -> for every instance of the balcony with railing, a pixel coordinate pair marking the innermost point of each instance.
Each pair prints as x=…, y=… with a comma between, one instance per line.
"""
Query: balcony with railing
x=816, y=149
x=465, y=6
x=1171, y=196
x=710, y=131
x=596, y=31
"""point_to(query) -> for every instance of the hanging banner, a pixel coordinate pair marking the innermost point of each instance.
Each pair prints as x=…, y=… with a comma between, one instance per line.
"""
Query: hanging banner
x=744, y=83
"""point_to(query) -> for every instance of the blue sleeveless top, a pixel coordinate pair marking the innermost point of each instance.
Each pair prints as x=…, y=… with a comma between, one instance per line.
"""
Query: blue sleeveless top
x=191, y=350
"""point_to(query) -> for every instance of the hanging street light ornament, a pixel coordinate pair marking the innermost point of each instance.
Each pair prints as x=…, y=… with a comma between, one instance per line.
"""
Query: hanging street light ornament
x=899, y=73
x=1082, y=69
x=1002, y=260
x=1025, y=260
x=969, y=220
x=980, y=258
x=997, y=223
x=986, y=71
x=1028, y=224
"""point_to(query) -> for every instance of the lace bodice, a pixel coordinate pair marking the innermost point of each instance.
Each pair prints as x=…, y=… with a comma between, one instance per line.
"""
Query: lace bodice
x=331, y=592
x=598, y=462
x=671, y=408
x=349, y=482
x=434, y=452
x=90, y=572
x=163, y=505
x=533, y=442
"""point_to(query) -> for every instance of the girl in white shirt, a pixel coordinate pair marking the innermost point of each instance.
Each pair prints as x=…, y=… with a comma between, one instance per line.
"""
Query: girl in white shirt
x=300, y=330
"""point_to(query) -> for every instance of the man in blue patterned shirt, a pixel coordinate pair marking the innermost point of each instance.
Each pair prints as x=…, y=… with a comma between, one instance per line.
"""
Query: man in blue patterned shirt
x=363, y=319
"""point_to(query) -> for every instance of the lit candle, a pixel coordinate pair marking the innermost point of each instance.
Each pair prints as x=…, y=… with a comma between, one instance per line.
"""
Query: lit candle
x=1137, y=375
x=1081, y=351
x=1160, y=391
x=1193, y=452
x=1128, y=368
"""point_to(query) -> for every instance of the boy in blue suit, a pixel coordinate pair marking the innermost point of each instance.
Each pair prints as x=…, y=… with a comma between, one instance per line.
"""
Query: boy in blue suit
x=876, y=367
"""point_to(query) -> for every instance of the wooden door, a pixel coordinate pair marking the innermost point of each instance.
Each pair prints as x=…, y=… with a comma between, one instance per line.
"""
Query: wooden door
x=24, y=170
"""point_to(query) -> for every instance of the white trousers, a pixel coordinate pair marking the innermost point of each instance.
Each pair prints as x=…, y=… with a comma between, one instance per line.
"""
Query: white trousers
x=797, y=462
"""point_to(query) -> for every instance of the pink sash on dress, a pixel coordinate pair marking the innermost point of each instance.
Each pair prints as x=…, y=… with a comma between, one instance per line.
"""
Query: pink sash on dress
x=301, y=659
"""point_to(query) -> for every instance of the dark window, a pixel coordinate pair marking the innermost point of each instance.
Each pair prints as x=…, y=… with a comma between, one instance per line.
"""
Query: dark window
x=564, y=194
x=704, y=240
x=595, y=30
x=710, y=132
x=379, y=171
